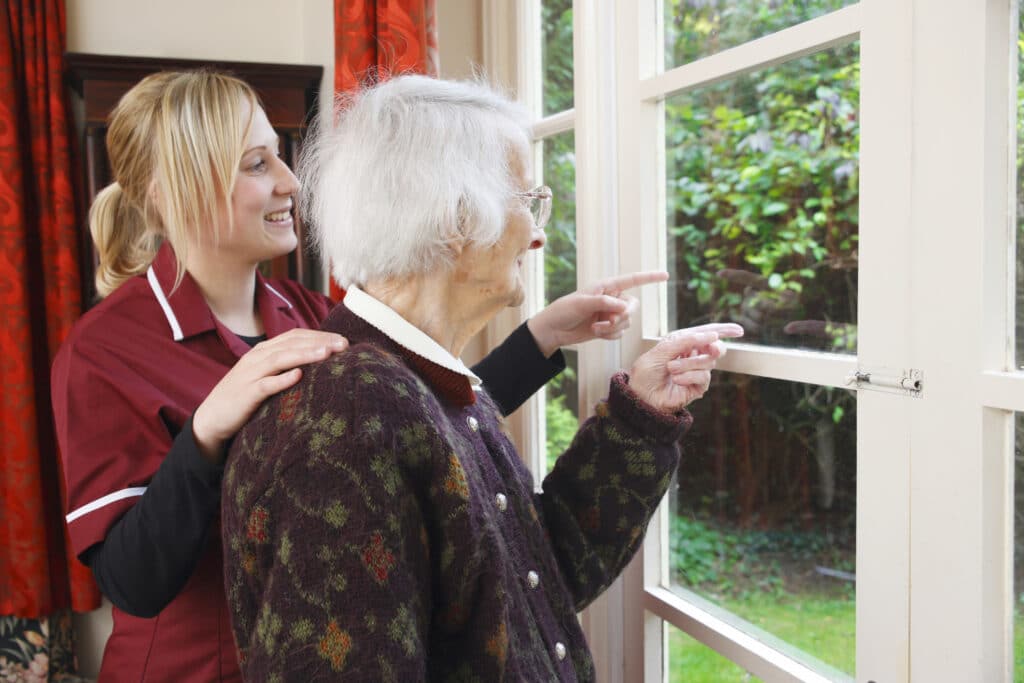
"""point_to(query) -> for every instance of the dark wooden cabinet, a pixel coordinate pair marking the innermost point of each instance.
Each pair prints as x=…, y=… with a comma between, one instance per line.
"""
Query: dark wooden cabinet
x=289, y=94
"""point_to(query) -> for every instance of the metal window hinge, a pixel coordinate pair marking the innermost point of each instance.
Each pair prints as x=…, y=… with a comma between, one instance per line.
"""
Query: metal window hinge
x=908, y=382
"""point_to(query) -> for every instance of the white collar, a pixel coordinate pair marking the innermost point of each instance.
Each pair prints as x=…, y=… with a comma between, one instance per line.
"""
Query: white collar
x=404, y=333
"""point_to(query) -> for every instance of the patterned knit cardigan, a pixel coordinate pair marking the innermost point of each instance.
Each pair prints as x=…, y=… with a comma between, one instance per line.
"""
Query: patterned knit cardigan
x=378, y=525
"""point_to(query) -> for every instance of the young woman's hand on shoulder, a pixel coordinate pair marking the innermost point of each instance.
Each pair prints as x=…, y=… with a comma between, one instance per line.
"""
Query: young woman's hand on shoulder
x=270, y=367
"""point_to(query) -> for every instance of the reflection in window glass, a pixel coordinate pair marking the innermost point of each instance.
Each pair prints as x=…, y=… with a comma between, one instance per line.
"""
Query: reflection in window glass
x=561, y=408
x=560, y=250
x=761, y=199
x=698, y=28
x=690, y=660
x=763, y=515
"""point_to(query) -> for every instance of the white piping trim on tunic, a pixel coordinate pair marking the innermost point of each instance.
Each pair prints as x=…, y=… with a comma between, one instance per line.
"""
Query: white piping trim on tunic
x=279, y=295
x=158, y=291
x=105, y=500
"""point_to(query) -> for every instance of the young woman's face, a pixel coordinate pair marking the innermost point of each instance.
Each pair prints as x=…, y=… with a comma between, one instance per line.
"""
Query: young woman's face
x=262, y=201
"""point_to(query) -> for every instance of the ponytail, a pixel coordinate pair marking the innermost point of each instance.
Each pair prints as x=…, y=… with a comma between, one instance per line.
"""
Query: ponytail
x=124, y=243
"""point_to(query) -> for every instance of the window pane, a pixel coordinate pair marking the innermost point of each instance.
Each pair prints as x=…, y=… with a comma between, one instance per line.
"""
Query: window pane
x=561, y=408
x=763, y=519
x=690, y=660
x=556, y=55
x=698, y=28
x=560, y=250
x=761, y=198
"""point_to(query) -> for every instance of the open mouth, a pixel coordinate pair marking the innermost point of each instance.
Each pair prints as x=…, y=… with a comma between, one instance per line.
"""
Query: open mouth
x=278, y=216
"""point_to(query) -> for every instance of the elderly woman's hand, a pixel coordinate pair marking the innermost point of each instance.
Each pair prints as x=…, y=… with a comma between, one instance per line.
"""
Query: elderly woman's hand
x=596, y=312
x=677, y=371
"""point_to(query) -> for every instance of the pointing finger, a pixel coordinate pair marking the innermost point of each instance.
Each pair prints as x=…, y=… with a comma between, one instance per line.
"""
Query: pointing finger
x=620, y=283
x=723, y=330
x=683, y=344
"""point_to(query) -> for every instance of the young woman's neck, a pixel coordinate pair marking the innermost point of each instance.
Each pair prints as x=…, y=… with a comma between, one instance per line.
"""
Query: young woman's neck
x=230, y=291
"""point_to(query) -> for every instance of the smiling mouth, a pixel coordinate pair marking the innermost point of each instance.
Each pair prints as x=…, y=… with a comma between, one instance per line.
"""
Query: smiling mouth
x=278, y=216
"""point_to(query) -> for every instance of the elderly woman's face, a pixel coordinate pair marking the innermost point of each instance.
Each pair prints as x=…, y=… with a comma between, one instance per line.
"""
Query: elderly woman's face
x=497, y=271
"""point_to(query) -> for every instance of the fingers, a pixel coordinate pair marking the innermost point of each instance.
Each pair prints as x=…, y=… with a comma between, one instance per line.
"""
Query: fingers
x=293, y=348
x=678, y=366
x=272, y=384
x=273, y=365
x=723, y=330
x=612, y=326
x=289, y=358
x=604, y=329
x=305, y=338
x=682, y=343
x=603, y=304
x=618, y=284
x=700, y=380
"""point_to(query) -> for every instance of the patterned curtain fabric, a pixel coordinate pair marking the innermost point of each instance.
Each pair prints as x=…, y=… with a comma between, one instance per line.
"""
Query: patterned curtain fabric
x=39, y=301
x=379, y=38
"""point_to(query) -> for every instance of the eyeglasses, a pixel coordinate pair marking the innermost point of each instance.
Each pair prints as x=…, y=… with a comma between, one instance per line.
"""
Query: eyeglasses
x=540, y=204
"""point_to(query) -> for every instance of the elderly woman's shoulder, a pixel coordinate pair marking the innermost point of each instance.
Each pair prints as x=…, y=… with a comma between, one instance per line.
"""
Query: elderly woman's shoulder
x=339, y=404
x=362, y=365
x=366, y=378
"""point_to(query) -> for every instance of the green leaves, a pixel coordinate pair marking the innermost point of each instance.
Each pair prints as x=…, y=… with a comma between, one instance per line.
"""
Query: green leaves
x=763, y=178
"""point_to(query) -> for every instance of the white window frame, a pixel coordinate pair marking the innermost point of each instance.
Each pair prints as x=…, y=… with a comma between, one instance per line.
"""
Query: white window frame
x=936, y=259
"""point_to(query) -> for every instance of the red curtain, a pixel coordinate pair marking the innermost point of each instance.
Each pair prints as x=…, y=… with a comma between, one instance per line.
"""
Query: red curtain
x=378, y=38
x=39, y=301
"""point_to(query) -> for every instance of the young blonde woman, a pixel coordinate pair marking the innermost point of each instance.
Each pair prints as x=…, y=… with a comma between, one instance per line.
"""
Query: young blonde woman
x=189, y=339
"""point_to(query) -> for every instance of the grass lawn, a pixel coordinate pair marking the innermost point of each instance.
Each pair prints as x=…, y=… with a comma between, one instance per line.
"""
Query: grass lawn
x=823, y=626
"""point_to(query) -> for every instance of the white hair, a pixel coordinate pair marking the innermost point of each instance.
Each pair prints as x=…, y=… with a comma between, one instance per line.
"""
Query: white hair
x=408, y=167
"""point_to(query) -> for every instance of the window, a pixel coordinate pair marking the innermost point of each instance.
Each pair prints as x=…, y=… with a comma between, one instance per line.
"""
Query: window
x=838, y=178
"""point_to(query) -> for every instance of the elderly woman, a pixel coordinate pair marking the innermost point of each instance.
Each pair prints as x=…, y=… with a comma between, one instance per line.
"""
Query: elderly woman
x=378, y=524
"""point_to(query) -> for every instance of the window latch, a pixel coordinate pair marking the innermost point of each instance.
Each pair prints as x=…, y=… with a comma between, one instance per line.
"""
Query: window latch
x=907, y=382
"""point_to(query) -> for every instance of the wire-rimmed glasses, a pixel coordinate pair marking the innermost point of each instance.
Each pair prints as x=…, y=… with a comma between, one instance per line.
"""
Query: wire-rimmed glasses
x=540, y=204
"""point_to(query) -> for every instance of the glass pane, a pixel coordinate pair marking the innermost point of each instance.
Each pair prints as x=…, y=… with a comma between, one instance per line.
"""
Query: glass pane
x=560, y=250
x=561, y=408
x=761, y=198
x=556, y=55
x=698, y=28
x=690, y=660
x=763, y=519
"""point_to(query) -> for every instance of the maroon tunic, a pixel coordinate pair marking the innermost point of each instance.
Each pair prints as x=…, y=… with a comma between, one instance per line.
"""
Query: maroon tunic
x=133, y=370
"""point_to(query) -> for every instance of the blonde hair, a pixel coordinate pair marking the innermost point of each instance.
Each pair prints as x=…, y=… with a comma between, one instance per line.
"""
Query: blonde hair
x=175, y=142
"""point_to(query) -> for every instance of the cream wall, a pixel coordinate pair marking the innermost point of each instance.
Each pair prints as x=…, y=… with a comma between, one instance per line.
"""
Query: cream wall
x=247, y=31
x=459, y=37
